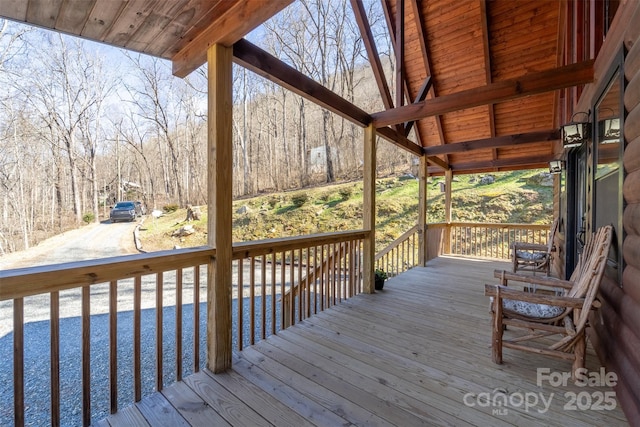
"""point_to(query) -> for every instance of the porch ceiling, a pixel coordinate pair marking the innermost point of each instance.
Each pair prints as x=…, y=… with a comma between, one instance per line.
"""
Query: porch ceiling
x=177, y=30
x=480, y=59
x=482, y=77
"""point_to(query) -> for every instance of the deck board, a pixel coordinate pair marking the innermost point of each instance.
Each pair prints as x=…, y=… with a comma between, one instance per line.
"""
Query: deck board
x=405, y=356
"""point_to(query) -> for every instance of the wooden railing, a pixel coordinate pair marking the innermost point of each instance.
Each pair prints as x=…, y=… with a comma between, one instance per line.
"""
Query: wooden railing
x=401, y=254
x=310, y=273
x=143, y=285
x=483, y=240
x=160, y=292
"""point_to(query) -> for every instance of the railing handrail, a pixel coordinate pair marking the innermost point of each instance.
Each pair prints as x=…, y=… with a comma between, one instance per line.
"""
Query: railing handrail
x=24, y=282
x=499, y=224
x=256, y=248
x=396, y=242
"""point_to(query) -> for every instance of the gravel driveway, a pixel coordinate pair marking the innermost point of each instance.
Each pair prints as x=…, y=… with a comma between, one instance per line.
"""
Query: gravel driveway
x=96, y=241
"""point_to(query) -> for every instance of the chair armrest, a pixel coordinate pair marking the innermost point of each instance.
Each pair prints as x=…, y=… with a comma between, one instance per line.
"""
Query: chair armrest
x=534, y=280
x=519, y=246
x=506, y=293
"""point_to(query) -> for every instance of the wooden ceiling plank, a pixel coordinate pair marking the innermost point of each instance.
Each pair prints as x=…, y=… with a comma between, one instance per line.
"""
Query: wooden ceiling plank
x=268, y=66
x=372, y=52
x=494, y=142
x=529, y=84
x=102, y=18
x=131, y=18
x=243, y=17
x=73, y=15
x=155, y=24
x=43, y=13
x=14, y=9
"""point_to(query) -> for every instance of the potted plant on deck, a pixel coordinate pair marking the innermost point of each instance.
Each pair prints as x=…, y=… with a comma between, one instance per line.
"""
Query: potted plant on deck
x=380, y=276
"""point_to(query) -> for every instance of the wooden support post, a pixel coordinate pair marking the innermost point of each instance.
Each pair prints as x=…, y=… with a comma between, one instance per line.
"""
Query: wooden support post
x=220, y=155
x=422, y=211
x=448, y=180
x=369, y=209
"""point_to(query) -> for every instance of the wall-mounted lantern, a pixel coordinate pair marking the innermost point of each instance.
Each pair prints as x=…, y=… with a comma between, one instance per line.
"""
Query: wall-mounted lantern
x=609, y=131
x=555, y=166
x=576, y=133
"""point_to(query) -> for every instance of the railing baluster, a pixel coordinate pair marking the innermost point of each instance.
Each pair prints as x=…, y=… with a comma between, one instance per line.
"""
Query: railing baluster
x=86, y=356
x=292, y=299
x=308, y=292
x=196, y=318
x=113, y=346
x=263, y=290
x=137, y=328
x=159, y=376
x=273, y=293
x=252, y=301
x=283, y=325
x=300, y=290
x=316, y=278
x=240, y=304
x=179, y=324
x=54, y=321
x=18, y=361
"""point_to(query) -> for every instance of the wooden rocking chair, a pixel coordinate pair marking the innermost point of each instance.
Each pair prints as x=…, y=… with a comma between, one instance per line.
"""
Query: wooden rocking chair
x=534, y=257
x=544, y=315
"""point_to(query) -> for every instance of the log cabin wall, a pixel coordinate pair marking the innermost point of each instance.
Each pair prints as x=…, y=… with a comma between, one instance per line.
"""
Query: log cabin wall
x=616, y=328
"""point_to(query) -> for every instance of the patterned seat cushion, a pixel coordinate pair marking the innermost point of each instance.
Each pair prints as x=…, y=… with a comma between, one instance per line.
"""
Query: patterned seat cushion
x=531, y=256
x=529, y=309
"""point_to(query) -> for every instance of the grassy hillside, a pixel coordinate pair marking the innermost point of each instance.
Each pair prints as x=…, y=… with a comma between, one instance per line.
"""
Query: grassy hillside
x=512, y=197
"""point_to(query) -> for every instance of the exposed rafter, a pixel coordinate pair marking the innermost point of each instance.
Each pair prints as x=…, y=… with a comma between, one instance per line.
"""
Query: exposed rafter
x=484, y=18
x=271, y=68
x=529, y=84
x=515, y=163
x=372, y=52
x=426, y=57
x=494, y=142
x=422, y=95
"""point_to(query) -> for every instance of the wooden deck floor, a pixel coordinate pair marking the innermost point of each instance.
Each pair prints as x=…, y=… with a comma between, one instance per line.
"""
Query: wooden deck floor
x=417, y=353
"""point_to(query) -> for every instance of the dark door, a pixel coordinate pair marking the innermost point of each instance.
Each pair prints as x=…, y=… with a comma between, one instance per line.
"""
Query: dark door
x=576, y=205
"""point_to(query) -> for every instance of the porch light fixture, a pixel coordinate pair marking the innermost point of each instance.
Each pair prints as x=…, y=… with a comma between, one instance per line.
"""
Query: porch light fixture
x=555, y=166
x=575, y=133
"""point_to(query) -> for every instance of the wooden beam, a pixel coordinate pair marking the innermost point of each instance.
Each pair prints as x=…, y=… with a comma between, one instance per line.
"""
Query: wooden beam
x=533, y=161
x=484, y=18
x=529, y=84
x=399, y=43
x=495, y=142
x=372, y=52
x=400, y=140
x=369, y=209
x=228, y=28
x=422, y=95
x=219, y=222
x=271, y=68
x=422, y=38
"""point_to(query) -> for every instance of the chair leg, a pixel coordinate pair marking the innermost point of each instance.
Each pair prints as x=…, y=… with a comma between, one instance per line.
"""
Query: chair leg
x=497, y=330
x=579, y=351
